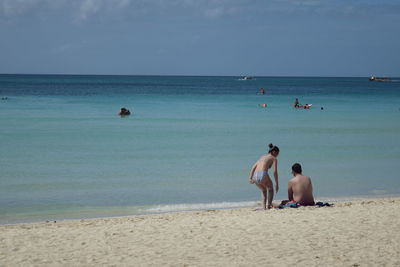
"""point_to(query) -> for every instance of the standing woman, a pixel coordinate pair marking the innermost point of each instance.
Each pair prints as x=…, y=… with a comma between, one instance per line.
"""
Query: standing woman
x=259, y=175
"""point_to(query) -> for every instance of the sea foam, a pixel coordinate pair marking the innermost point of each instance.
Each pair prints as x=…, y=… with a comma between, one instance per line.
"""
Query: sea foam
x=199, y=206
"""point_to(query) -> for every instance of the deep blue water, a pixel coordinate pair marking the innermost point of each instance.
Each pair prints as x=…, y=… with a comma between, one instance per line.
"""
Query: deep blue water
x=82, y=85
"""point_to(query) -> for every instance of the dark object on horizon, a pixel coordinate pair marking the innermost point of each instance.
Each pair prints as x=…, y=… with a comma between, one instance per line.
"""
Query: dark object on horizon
x=322, y=108
x=124, y=112
x=4, y=98
x=379, y=79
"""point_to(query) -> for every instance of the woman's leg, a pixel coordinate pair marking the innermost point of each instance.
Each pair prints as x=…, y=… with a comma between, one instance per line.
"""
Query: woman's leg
x=270, y=196
x=266, y=181
x=263, y=195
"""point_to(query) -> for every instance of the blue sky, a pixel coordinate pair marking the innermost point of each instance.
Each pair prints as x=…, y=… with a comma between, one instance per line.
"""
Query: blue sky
x=201, y=37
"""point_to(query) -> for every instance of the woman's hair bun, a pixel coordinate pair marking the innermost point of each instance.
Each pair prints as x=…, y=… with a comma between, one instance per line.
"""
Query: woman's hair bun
x=273, y=148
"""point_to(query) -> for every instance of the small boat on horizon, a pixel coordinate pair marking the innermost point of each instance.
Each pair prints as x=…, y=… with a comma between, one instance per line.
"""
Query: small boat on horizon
x=379, y=79
x=246, y=78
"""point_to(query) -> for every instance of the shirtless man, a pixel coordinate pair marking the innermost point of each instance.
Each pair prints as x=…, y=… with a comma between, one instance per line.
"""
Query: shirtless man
x=300, y=188
x=259, y=175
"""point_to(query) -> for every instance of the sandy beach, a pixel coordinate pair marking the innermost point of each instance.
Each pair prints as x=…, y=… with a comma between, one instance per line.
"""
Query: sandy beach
x=354, y=233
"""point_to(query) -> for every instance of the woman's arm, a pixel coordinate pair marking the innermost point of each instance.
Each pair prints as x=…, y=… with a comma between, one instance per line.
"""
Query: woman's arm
x=252, y=173
x=276, y=175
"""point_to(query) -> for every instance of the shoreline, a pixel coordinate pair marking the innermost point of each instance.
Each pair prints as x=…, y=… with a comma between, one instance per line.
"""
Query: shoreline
x=356, y=233
x=148, y=210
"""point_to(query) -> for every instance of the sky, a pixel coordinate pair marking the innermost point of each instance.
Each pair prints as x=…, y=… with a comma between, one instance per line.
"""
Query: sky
x=201, y=37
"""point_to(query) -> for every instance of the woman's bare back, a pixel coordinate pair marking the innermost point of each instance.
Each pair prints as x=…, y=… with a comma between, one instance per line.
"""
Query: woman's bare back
x=265, y=162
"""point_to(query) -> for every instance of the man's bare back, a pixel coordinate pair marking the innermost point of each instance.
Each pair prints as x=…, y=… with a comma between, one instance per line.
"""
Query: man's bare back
x=300, y=188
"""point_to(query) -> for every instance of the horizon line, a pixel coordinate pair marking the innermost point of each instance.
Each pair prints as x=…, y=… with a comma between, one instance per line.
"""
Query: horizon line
x=194, y=75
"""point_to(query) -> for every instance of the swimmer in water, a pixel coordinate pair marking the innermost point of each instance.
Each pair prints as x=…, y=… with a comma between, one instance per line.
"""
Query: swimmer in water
x=296, y=103
x=124, y=112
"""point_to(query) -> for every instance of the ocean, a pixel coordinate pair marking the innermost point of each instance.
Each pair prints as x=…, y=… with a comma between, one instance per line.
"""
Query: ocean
x=189, y=142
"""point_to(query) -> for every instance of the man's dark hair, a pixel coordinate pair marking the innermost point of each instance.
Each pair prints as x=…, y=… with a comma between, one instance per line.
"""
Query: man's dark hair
x=297, y=168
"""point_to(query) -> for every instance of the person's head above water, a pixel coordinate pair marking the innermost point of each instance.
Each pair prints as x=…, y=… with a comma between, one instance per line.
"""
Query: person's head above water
x=273, y=150
x=296, y=169
x=124, y=112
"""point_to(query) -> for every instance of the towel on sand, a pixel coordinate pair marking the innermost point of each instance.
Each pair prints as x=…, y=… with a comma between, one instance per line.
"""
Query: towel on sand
x=294, y=204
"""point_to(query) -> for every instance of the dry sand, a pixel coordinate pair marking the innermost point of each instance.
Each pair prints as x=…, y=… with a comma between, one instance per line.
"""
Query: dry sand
x=357, y=233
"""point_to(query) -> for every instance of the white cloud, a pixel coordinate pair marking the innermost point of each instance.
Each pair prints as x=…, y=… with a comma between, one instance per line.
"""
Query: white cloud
x=16, y=7
x=214, y=12
x=83, y=10
x=89, y=8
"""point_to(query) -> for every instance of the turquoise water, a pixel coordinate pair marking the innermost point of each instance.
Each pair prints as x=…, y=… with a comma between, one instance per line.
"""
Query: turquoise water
x=65, y=153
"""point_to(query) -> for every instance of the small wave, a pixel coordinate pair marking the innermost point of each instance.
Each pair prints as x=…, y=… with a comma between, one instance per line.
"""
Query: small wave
x=199, y=206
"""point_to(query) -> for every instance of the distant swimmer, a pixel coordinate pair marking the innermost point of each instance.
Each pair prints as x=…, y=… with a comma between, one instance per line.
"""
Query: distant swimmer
x=124, y=112
x=263, y=105
x=296, y=103
x=4, y=98
x=261, y=91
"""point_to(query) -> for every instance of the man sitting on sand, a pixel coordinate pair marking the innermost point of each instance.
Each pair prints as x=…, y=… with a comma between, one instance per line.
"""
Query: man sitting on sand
x=300, y=189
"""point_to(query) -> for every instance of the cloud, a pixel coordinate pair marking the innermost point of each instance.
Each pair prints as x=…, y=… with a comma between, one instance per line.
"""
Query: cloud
x=214, y=12
x=10, y=8
x=83, y=10
x=89, y=8
x=62, y=48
